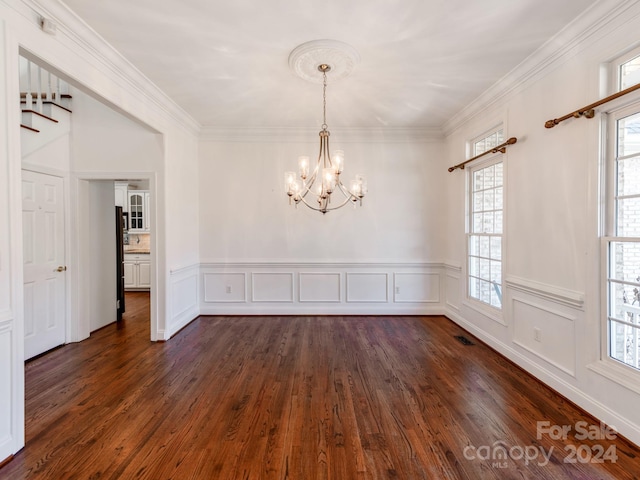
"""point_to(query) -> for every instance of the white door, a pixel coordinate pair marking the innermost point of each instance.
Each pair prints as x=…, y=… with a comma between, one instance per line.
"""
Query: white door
x=44, y=263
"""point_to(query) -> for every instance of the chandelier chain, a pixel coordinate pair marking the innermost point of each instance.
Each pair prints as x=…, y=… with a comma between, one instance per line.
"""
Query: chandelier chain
x=324, y=100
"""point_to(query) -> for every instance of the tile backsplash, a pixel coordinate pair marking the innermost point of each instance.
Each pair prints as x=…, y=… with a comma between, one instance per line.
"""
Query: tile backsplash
x=138, y=242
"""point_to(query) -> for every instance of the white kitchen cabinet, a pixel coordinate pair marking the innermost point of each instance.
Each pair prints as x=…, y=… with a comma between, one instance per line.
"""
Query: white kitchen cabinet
x=121, y=190
x=139, y=211
x=137, y=271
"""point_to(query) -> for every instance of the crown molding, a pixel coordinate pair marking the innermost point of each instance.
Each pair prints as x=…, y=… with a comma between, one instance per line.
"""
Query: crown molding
x=83, y=38
x=345, y=135
x=586, y=28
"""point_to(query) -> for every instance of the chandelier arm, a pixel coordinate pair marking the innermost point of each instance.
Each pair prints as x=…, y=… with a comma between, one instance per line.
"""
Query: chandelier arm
x=344, y=202
x=345, y=191
x=317, y=209
x=320, y=152
x=327, y=154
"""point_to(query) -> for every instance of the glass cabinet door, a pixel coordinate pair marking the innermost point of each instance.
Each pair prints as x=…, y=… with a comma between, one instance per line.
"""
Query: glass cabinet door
x=136, y=211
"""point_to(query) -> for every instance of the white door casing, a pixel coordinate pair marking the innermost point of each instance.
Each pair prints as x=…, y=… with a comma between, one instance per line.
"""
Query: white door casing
x=44, y=262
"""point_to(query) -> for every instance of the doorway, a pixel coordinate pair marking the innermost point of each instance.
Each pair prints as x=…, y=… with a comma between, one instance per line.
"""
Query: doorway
x=97, y=247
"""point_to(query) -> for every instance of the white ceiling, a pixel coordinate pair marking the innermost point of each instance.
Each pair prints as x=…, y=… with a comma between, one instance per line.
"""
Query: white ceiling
x=422, y=61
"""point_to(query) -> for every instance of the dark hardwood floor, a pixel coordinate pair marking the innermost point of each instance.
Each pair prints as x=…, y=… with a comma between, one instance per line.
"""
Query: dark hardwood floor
x=299, y=398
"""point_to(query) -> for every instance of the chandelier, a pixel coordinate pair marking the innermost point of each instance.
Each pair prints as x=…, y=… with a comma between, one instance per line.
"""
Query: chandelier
x=320, y=187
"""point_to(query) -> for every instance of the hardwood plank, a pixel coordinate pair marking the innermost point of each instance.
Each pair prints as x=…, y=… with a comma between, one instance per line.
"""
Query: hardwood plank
x=293, y=398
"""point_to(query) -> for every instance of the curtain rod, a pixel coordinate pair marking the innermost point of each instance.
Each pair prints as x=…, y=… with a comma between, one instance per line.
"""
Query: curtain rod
x=500, y=148
x=588, y=111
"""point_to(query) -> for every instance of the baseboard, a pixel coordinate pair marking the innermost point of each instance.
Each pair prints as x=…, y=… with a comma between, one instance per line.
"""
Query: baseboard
x=590, y=405
x=338, y=309
x=182, y=321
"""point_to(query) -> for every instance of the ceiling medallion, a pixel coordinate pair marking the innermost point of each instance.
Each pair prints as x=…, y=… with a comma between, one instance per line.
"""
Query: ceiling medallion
x=312, y=61
x=305, y=59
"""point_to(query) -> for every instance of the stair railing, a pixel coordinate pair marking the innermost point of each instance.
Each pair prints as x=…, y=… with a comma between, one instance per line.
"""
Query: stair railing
x=39, y=86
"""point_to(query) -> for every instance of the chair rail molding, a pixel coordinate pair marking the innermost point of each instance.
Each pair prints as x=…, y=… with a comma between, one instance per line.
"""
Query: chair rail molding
x=552, y=293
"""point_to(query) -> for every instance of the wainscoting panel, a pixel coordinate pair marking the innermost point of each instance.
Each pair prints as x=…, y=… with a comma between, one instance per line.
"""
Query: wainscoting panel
x=417, y=287
x=453, y=287
x=184, y=305
x=305, y=288
x=225, y=287
x=7, y=359
x=367, y=287
x=320, y=287
x=272, y=287
x=545, y=331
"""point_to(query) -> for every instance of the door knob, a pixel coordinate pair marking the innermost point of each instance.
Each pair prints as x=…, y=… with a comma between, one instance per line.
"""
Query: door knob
x=61, y=269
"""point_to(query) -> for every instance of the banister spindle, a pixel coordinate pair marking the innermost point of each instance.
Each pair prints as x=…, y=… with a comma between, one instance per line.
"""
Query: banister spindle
x=39, y=90
x=49, y=91
x=28, y=98
x=56, y=90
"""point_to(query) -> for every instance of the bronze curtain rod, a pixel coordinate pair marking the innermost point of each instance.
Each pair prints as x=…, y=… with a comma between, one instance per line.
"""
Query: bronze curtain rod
x=588, y=111
x=500, y=148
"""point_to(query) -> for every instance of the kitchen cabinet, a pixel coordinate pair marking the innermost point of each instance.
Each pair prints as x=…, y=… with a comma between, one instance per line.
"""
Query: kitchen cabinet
x=139, y=211
x=121, y=190
x=137, y=271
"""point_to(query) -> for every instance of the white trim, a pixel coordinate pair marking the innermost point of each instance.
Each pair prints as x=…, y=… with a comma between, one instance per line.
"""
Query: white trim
x=623, y=425
x=205, y=301
x=578, y=35
x=313, y=308
x=157, y=324
x=556, y=313
x=16, y=268
x=318, y=264
x=179, y=320
x=618, y=372
x=493, y=312
x=310, y=134
x=338, y=301
x=301, y=298
x=551, y=293
x=453, y=266
x=86, y=40
x=486, y=310
x=397, y=296
x=253, y=287
x=348, y=299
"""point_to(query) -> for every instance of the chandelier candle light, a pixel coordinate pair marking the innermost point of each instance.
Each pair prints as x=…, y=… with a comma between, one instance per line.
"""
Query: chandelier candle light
x=315, y=187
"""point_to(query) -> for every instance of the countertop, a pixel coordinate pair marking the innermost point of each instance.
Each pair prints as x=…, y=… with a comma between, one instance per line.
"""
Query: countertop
x=135, y=250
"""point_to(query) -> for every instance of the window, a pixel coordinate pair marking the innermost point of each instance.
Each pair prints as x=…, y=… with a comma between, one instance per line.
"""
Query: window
x=623, y=225
x=485, y=224
x=629, y=73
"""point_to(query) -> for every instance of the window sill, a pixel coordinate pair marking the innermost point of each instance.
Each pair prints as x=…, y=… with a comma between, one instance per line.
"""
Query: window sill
x=617, y=372
x=488, y=311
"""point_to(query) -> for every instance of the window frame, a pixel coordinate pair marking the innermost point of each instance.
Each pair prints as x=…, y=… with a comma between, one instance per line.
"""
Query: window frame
x=487, y=309
x=614, y=69
x=609, y=235
x=618, y=109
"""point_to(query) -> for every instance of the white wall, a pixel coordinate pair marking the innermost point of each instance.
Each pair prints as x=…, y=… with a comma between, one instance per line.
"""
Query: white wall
x=552, y=249
x=105, y=141
x=102, y=266
x=11, y=307
x=182, y=230
x=249, y=230
x=79, y=55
